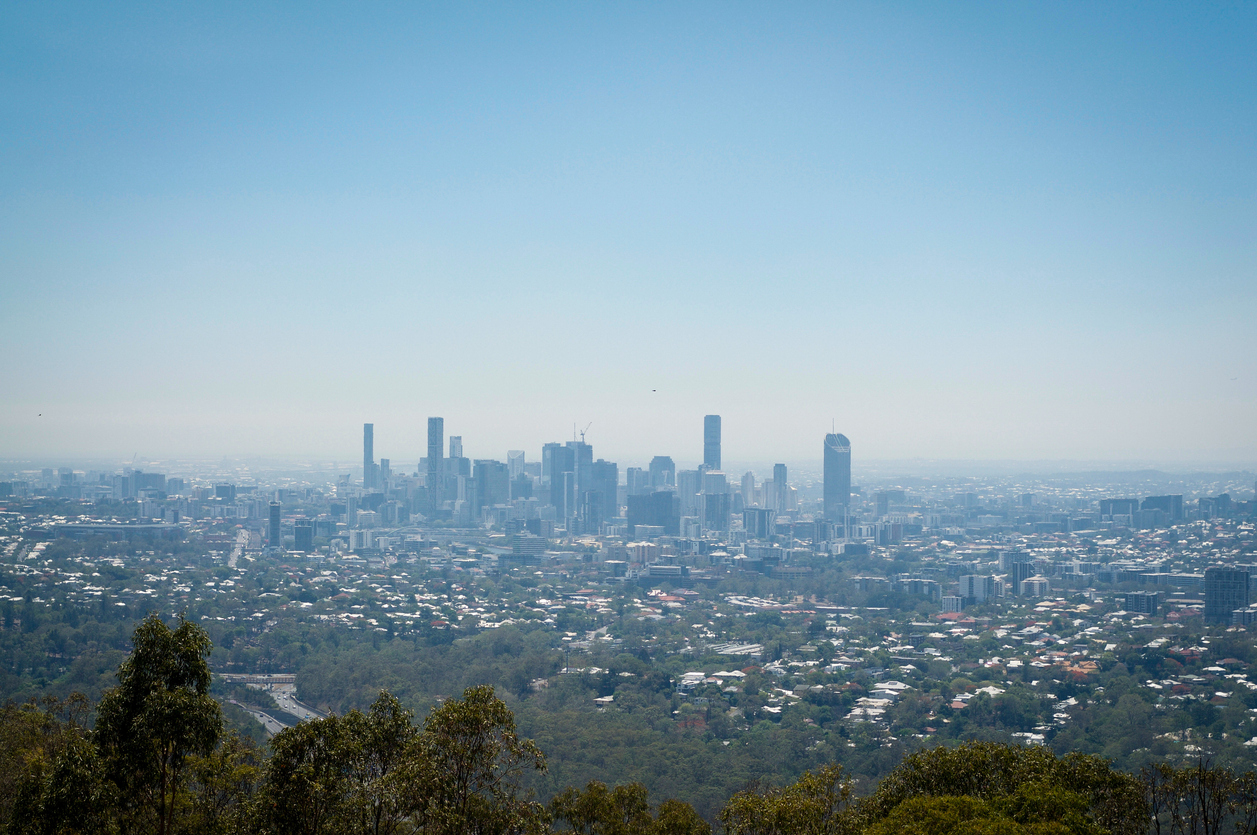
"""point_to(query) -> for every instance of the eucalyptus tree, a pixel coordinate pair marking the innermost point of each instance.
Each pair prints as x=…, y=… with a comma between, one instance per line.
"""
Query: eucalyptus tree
x=159, y=716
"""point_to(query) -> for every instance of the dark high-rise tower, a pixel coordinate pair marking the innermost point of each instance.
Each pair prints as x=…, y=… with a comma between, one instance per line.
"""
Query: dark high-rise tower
x=273, y=535
x=711, y=441
x=837, y=476
x=303, y=536
x=368, y=455
x=435, y=480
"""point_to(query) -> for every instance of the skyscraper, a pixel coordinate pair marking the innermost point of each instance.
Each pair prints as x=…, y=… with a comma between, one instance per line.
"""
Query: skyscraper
x=515, y=463
x=456, y=446
x=758, y=522
x=837, y=476
x=558, y=465
x=368, y=455
x=715, y=501
x=493, y=484
x=582, y=468
x=689, y=483
x=748, y=489
x=274, y=539
x=600, y=502
x=303, y=535
x=781, y=489
x=711, y=441
x=435, y=475
x=656, y=509
x=638, y=481
x=663, y=473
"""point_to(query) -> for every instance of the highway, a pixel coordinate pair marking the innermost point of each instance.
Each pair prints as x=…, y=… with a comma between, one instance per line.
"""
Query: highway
x=285, y=698
x=272, y=725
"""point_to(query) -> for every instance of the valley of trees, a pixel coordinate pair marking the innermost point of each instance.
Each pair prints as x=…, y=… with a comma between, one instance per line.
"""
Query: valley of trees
x=155, y=755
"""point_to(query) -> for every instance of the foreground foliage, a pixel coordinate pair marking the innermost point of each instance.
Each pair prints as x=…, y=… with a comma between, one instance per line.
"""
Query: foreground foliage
x=157, y=760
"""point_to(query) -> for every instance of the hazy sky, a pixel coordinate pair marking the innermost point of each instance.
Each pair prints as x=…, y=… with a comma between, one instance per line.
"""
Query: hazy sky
x=996, y=231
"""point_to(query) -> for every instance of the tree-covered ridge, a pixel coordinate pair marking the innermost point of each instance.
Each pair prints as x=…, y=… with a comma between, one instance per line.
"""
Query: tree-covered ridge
x=158, y=760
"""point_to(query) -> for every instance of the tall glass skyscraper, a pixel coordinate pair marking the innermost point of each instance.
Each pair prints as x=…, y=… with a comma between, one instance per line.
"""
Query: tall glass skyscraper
x=711, y=441
x=435, y=476
x=368, y=455
x=837, y=476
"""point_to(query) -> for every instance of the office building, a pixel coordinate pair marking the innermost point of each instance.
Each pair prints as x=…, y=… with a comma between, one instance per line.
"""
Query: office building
x=435, y=476
x=715, y=503
x=492, y=483
x=748, y=489
x=601, y=504
x=1171, y=506
x=1226, y=589
x=716, y=508
x=515, y=463
x=456, y=446
x=714, y=481
x=1120, y=511
x=837, y=467
x=1036, y=586
x=885, y=500
x=977, y=588
x=637, y=481
x=274, y=538
x=558, y=465
x=711, y=442
x=1142, y=602
x=658, y=509
x=583, y=463
x=920, y=586
x=688, y=486
x=368, y=456
x=303, y=535
x=663, y=473
x=758, y=522
x=140, y=479
x=779, y=501
x=1018, y=566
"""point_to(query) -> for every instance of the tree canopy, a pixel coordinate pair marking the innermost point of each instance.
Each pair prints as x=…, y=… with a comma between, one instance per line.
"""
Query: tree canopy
x=159, y=761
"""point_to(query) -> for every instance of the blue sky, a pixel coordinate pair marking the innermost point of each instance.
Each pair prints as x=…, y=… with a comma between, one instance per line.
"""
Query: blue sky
x=971, y=231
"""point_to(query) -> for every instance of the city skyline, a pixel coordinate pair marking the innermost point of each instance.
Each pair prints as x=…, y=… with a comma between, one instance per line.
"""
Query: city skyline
x=957, y=232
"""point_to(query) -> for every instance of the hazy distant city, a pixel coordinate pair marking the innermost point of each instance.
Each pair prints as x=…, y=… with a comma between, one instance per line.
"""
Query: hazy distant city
x=562, y=510
x=722, y=409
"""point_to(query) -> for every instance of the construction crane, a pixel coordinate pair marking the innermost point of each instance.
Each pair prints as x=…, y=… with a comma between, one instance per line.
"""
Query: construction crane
x=583, y=431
